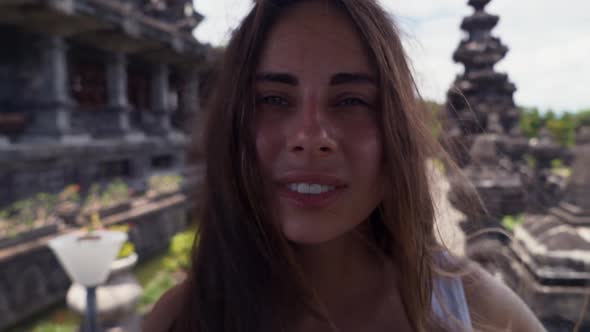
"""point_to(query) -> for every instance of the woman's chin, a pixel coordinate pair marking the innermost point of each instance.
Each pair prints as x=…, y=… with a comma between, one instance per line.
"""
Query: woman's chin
x=305, y=233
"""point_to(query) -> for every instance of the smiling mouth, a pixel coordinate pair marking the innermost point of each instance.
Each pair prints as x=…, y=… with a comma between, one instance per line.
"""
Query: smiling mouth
x=310, y=195
x=310, y=188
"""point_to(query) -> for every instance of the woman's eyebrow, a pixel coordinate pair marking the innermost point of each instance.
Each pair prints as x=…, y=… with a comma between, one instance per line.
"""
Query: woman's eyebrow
x=336, y=79
x=284, y=78
x=345, y=78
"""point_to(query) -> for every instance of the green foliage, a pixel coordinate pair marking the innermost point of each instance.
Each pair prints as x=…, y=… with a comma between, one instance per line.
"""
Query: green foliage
x=93, y=196
x=531, y=122
x=531, y=162
x=165, y=183
x=563, y=127
x=128, y=248
x=23, y=214
x=510, y=222
x=57, y=319
x=556, y=163
x=434, y=111
x=583, y=117
x=53, y=327
x=154, y=289
x=115, y=192
x=178, y=259
x=179, y=253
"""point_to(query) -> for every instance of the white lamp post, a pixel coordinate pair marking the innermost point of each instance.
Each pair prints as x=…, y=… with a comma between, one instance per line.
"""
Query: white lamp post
x=87, y=258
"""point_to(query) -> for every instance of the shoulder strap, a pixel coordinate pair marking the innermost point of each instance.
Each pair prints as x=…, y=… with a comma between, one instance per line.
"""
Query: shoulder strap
x=449, y=299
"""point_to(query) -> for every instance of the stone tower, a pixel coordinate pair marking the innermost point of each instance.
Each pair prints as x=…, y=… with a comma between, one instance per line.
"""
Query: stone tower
x=479, y=92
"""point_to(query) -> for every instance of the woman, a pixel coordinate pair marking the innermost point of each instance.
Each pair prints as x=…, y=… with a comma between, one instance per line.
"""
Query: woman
x=317, y=210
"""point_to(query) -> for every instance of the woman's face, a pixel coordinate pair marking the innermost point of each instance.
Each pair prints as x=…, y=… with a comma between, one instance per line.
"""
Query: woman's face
x=316, y=129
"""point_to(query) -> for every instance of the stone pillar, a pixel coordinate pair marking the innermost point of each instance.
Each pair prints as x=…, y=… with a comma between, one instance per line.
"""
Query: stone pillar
x=117, y=81
x=159, y=121
x=51, y=118
x=189, y=105
x=116, y=114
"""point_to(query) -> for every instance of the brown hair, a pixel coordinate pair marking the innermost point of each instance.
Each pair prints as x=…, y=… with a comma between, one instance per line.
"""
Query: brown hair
x=244, y=275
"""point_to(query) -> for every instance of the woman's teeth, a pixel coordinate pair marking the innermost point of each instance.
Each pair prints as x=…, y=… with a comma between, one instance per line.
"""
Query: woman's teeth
x=310, y=188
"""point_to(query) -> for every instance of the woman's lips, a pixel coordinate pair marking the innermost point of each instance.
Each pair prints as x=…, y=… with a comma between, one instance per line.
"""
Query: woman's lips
x=310, y=201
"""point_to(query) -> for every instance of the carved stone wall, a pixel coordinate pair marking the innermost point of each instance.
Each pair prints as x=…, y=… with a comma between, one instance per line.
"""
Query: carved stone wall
x=31, y=168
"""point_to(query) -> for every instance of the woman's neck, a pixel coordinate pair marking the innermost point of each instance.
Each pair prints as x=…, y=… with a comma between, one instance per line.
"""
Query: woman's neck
x=344, y=273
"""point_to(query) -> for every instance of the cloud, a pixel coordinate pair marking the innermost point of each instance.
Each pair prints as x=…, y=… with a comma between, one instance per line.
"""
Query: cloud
x=221, y=17
x=549, y=44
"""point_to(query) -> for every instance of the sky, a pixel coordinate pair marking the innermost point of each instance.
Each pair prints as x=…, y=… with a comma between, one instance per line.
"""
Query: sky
x=549, y=42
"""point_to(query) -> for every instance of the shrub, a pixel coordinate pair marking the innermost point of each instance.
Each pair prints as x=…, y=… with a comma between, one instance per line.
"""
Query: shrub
x=179, y=254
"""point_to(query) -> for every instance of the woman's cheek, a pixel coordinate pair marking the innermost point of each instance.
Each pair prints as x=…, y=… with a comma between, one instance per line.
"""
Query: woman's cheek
x=268, y=142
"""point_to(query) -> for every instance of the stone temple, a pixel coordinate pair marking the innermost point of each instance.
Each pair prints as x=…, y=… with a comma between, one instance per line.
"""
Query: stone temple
x=545, y=258
x=480, y=91
x=91, y=91
x=548, y=260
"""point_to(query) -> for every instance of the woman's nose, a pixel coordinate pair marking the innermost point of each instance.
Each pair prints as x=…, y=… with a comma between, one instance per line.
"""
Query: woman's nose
x=312, y=134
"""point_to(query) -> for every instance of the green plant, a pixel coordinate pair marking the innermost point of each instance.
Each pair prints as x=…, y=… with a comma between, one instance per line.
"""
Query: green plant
x=44, y=204
x=128, y=247
x=70, y=193
x=154, y=289
x=53, y=327
x=556, y=163
x=4, y=215
x=510, y=222
x=531, y=162
x=93, y=197
x=562, y=126
x=179, y=253
x=24, y=211
x=165, y=183
x=115, y=192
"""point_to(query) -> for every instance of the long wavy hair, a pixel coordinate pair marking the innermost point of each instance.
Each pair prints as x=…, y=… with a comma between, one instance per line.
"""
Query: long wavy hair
x=244, y=274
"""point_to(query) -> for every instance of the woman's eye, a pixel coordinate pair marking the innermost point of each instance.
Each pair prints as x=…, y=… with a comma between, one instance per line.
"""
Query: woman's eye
x=352, y=101
x=273, y=100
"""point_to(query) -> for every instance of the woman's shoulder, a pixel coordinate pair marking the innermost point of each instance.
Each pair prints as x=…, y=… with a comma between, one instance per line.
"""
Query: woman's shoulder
x=166, y=310
x=492, y=300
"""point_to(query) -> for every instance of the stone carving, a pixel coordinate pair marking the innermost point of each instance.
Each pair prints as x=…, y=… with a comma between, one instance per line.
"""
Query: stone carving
x=491, y=175
x=545, y=188
x=553, y=250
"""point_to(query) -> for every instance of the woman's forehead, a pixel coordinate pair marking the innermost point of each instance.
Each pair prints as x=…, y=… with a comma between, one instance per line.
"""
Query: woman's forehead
x=317, y=37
